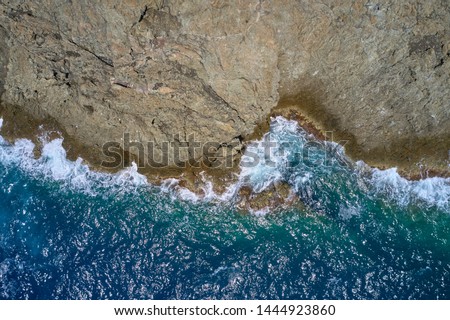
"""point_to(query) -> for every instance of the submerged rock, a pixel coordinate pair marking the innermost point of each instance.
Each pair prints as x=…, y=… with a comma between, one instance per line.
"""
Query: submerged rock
x=278, y=195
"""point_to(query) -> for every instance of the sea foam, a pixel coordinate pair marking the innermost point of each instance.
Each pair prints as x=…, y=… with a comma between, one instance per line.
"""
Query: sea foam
x=340, y=178
x=53, y=165
x=432, y=191
x=280, y=163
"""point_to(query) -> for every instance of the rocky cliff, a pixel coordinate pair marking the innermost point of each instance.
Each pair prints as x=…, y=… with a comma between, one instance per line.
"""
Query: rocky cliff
x=375, y=73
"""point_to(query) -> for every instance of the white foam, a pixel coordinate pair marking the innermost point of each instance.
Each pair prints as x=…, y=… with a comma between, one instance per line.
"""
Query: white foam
x=54, y=165
x=54, y=156
x=1, y=123
x=171, y=186
x=261, y=212
x=432, y=191
x=168, y=184
x=132, y=176
x=261, y=167
x=188, y=195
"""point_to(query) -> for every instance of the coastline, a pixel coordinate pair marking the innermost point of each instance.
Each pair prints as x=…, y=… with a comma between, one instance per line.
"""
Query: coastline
x=18, y=124
x=374, y=77
x=217, y=150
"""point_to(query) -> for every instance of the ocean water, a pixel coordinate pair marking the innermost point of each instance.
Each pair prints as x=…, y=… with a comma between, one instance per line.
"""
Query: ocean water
x=69, y=233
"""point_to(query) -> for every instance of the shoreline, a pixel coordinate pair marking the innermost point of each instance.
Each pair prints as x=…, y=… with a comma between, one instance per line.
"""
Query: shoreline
x=198, y=181
x=423, y=164
x=18, y=124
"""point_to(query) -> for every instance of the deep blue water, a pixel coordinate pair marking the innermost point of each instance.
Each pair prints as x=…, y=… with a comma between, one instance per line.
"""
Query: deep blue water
x=69, y=233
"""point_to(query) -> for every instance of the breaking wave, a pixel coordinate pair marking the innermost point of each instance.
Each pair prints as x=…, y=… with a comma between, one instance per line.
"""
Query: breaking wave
x=294, y=157
x=67, y=232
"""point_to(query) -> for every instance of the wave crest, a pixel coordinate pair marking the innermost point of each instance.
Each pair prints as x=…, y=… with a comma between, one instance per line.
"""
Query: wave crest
x=317, y=186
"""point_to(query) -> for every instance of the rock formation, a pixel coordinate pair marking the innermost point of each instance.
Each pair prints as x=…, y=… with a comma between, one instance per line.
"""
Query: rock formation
x=375, y=73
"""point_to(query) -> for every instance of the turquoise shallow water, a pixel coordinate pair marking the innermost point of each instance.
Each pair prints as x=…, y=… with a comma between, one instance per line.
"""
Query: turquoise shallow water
x=69, y=233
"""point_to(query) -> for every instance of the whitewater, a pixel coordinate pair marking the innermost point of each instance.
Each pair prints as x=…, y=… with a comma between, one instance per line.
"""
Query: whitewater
x=69, y=232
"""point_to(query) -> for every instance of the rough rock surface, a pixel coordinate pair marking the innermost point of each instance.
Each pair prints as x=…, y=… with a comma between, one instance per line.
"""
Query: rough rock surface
x=278, y=195
x=375, y=73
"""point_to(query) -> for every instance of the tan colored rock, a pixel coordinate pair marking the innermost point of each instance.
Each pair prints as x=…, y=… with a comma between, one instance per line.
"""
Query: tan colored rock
x=375, y=73
x=276, y=196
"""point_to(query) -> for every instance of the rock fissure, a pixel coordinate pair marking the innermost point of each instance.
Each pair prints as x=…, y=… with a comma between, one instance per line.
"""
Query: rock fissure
x=105, y=60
